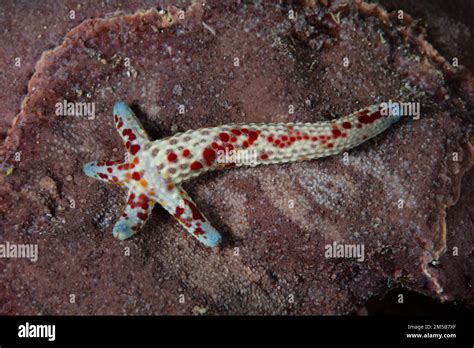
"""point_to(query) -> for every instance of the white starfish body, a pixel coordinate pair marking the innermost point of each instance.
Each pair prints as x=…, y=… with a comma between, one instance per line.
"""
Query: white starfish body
x=155, y=170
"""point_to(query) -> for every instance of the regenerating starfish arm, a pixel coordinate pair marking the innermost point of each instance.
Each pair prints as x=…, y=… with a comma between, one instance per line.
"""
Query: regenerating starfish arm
x=154, y=170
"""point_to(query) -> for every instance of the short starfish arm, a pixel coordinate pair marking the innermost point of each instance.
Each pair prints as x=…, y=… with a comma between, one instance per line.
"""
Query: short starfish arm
x=133, y=134
x=108, y=171
x=135, y=214
x=182, y=207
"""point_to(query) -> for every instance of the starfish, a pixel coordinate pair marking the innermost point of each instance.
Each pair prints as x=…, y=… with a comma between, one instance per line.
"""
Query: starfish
x=153, y=171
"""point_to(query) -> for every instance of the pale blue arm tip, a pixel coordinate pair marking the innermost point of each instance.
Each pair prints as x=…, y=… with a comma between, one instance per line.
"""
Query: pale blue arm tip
x=120, y=108
x=213, y=239
x=122, y=231
x=89, y=169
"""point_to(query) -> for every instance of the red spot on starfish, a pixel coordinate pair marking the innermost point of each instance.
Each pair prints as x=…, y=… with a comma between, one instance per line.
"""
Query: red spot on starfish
x=172, y=157
x=198, y=231
x=209, y=156
x=196, y=165
x=186, y=153
x=336, y=132
x=179, y=211
x=224, y=137
x=347, y=125
x=144, y=205
x=134, y=149
x=236, y=131
x=142, y=216
x=370, y=118
x=196, y=214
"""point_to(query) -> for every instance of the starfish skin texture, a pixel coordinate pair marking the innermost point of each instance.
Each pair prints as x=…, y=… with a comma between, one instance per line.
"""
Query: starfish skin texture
x=154, y=170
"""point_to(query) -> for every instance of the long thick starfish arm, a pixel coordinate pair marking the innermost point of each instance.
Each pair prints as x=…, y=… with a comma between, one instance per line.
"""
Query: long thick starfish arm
x=154, y=171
